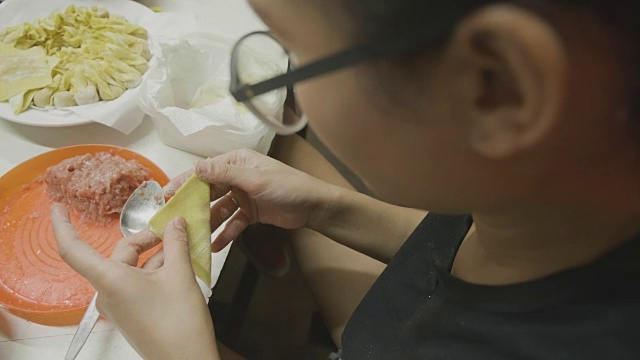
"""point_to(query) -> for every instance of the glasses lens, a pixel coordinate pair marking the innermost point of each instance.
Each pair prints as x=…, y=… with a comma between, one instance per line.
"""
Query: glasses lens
x=260, y=57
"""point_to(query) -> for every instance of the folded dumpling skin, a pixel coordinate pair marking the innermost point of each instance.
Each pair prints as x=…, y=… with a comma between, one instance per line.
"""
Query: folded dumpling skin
x=191, y=202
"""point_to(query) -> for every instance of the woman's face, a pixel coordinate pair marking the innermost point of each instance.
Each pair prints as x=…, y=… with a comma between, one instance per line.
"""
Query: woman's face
x=483, y=123
x=397, y=150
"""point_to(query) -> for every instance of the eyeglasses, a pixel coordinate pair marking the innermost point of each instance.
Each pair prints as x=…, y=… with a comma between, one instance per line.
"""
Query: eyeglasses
x=263, y=92
x=262, y=76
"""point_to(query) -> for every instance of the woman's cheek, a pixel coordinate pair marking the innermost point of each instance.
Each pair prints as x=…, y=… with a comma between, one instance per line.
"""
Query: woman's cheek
x=345, y=123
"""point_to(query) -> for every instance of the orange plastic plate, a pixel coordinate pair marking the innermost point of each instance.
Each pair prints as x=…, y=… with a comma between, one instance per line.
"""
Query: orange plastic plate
x=35, y=283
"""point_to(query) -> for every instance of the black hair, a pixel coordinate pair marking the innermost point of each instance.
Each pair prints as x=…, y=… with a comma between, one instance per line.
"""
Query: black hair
x=391, y=21
x=395, y=20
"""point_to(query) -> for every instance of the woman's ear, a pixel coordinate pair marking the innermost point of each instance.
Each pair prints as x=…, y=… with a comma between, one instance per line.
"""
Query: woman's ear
x=516, y=68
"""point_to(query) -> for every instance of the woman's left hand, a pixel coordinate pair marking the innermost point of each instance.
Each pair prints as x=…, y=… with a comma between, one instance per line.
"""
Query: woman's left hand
x=158, y=308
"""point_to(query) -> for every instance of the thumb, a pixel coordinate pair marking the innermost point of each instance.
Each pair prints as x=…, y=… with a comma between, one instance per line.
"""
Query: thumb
x=176, y=245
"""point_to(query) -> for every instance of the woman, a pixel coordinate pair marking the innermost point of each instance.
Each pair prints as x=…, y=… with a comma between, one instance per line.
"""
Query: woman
x=518, y=113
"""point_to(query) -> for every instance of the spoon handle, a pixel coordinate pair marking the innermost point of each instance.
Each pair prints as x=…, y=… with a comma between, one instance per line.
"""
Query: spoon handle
x=89, y=320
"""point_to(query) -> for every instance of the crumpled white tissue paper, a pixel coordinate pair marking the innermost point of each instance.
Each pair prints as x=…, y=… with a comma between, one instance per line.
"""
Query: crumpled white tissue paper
x=186, y=93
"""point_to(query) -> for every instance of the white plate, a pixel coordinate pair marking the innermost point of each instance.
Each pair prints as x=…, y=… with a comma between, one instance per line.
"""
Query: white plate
x=13, y=12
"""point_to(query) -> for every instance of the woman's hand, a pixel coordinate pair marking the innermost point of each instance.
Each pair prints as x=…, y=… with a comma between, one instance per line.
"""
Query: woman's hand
x=254, y=188
x=158, y=308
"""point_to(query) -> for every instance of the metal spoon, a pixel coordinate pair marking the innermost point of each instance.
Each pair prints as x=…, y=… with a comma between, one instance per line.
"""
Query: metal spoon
x=140, y=207
x=145, y=202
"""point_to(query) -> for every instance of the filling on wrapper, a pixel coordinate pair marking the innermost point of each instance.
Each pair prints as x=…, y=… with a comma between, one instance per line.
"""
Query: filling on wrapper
x=95, y=185
x=77, y=57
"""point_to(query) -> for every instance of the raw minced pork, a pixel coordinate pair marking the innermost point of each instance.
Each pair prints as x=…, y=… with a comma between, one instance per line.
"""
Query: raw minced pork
x=95, y=185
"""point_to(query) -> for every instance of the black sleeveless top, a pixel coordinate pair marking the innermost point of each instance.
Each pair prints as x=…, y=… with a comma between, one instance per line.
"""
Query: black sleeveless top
x=418, y=310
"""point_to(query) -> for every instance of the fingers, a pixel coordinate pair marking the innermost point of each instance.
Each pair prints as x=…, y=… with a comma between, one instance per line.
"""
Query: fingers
x=233, y=169
x=176, y=246
x=222, y=210
x=218, y=171
x=75, y=252
x=217, y=190
x=155, y=261
x=175, y=183
x=234, y=227
x=129, y=249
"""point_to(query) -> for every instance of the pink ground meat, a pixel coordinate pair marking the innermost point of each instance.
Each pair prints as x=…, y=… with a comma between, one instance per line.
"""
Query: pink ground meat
x=95, y=185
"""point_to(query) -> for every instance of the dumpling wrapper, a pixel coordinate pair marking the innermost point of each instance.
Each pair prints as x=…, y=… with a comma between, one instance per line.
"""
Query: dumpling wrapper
x=21, y=102
x=115, y=50
x=23, y=70
x=191, y=202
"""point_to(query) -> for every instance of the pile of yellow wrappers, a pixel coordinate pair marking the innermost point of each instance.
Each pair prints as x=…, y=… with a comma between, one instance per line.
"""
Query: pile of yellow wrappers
x=77, y=57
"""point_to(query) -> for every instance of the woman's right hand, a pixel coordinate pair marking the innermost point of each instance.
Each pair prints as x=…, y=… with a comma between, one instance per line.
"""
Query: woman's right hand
x=254, y=188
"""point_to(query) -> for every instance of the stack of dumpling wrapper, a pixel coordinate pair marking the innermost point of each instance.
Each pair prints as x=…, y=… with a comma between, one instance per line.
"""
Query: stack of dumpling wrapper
x=77, y=57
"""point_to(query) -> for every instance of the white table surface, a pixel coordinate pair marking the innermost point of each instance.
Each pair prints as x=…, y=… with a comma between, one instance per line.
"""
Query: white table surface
x=20, y=339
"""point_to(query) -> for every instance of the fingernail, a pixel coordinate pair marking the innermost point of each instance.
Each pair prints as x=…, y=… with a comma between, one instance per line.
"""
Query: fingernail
x=179, y=223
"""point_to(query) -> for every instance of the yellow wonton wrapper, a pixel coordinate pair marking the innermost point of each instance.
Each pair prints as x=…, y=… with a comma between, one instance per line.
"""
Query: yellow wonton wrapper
x=21, y=102
x=191, y=202
x=22, y=70
x=98, y=55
